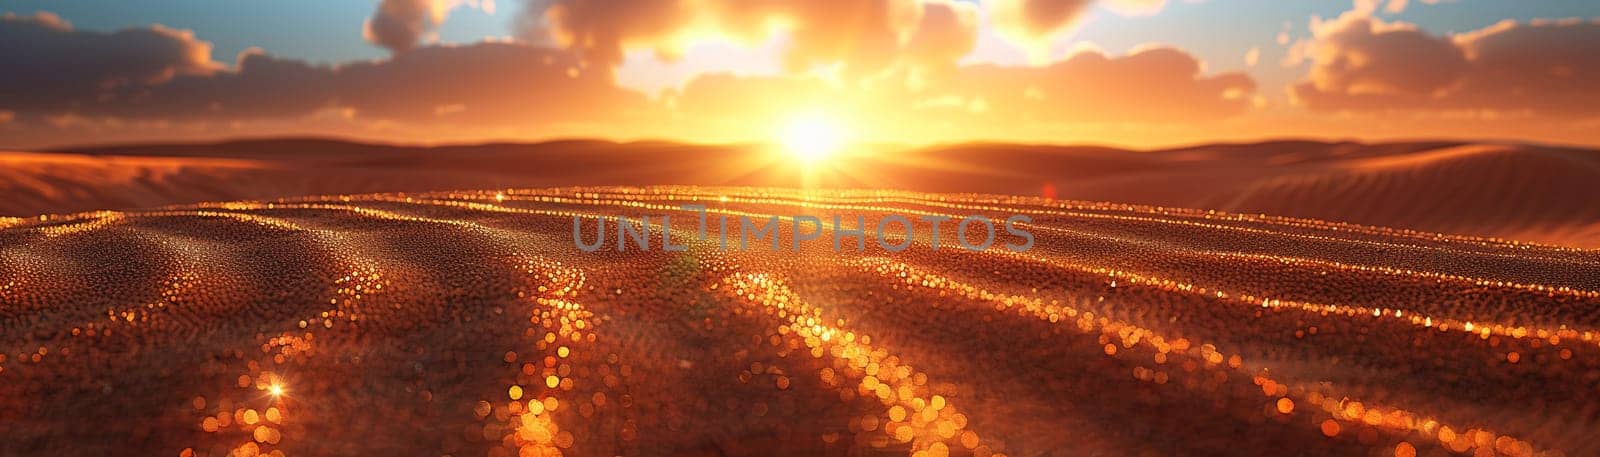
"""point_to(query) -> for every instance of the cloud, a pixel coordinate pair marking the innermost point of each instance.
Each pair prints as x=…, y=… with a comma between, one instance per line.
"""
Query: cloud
x=1399, y=6
x=1152, y=86
x=1035, y=20
x=946, y=32
x=863, y=36
x=1135, y=7
x=602, y=29
x=1545, y=66
x=915, y=84
x=400, y=25
x=258, y=86
x=159, y=74
x=860, y=37
x=52, y=67
x=1357, y=54
x=1034, y=23
x=483, y=83
x=1539, y=68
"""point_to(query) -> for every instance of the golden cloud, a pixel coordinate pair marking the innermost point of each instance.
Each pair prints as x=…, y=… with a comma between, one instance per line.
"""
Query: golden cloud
x=864, y=37
x=1360, y=63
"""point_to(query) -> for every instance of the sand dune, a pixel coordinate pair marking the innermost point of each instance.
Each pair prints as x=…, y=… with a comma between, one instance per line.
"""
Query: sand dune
x=1523, y=192
x=467, y=323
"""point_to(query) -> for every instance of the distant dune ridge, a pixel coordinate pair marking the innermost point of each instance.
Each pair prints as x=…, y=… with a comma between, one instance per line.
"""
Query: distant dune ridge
x=1521, y=192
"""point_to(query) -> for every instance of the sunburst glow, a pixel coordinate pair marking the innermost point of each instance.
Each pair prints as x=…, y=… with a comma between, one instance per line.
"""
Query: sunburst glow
x=812, y=138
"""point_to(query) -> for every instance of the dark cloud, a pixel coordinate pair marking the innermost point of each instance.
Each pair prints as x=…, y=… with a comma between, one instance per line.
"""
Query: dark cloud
x=259, y=86
x=1544, y=67
x=401, y=24
x=161, y=74
x=49, y=66
x=1036, y=19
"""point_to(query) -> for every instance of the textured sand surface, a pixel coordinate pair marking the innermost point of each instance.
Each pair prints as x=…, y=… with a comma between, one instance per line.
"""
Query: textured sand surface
x=468, y=324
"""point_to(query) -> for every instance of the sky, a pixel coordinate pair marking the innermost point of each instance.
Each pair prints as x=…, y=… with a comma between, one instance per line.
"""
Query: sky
x=1141, y=73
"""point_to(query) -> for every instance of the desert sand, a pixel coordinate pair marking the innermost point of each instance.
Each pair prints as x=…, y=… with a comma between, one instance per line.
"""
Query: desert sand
x=467, y=323
x=295, y=297
x=1513, y=191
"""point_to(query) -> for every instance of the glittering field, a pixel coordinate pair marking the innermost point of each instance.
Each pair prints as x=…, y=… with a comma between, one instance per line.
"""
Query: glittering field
x=469, y=324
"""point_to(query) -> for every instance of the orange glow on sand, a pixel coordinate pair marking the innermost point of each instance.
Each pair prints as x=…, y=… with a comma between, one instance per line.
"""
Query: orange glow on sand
x=900, y=344
x=924, y=228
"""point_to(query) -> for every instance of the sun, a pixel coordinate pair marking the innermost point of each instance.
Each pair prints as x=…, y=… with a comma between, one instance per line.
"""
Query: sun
x=812, y=138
